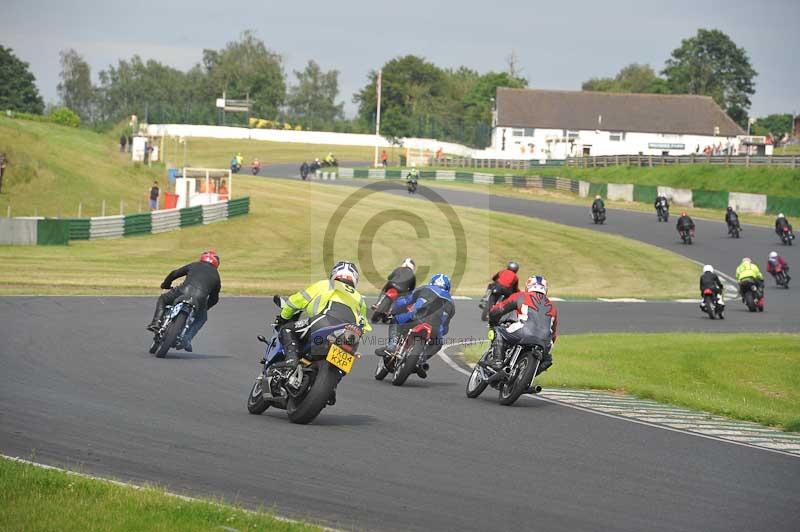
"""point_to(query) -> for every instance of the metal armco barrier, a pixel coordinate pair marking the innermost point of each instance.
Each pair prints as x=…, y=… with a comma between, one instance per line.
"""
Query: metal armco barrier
x=191, y=216
x=238, y=207
x=79, y=228
x=215, y=212
x=138, y=224
x=107, y=227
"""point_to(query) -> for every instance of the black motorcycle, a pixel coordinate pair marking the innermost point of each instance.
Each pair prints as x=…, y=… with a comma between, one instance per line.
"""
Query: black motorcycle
x=405, y=359
x=304, y=169
x=411, y=186
x=734, y=229
x=304, y=389
x=330, y=163
x=176, y=321
x=381, y=310
x=520, y=364
x=686, y=235
x=662, y=211
x=752, y=296
x=599, y=216
x=786, y=236
x=712, y=305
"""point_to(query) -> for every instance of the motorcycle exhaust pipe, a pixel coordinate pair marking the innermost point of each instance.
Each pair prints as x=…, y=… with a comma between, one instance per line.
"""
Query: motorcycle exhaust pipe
x=536, y=389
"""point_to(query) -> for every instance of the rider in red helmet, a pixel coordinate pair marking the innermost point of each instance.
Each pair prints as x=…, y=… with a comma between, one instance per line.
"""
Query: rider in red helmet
x=202, y=285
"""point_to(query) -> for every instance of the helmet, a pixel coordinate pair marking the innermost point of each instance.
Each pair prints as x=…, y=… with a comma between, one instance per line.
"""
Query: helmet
x=346, y=272
x=730, y=208
x=513, y=266
x=408, y=262
x=210, y=257
x=708, y=268
x=536, y=283
x=597, y=197
x=773, y=254
x=746, y=260
x=440, y=280
x=684, y=213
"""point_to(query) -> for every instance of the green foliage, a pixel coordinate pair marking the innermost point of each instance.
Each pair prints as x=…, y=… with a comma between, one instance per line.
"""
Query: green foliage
x=711, y=64
x=634, y=78
x=775, y=124
x=18, y=90
x=312, y=101
x=64, y=117
x=75, y=89
x=421, y=99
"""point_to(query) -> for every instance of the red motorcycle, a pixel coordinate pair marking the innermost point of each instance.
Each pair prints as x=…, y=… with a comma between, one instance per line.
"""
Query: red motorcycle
x=405, y=359
x=381, y=310
x=787, y=236
x=780, y=276
x=712, y=305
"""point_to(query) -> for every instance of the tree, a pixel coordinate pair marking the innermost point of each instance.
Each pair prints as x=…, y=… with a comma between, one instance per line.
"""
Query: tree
x=313, y=100
x=478, y=101
x=775, y=124
x=634, y=78
x=247, y=66
x=75, y=89
x=18, y=90
x=711, y=64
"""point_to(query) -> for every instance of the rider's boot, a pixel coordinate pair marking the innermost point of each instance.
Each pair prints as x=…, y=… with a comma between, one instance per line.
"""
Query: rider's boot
x=154, y=325
x=498, y=352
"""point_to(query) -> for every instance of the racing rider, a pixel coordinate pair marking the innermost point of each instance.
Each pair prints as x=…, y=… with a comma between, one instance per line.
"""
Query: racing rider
x=709, y=279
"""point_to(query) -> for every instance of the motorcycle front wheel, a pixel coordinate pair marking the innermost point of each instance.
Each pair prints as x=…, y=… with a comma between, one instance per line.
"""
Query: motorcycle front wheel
x=173, y=330
x=521, y=377
x=256, y=404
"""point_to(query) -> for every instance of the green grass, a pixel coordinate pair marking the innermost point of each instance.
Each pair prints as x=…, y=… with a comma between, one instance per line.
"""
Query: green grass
x=34, y=498
x=792, y=149
x=754, y=377
x=278, y=246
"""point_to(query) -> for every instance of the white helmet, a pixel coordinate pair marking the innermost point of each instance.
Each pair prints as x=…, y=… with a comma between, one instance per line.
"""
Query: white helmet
x=773, y=255
x=708, y=268
x=597, y=197
x=408, y=262
x=780, y=215
x=747, y=260
x=346, y=272
x=536, y=283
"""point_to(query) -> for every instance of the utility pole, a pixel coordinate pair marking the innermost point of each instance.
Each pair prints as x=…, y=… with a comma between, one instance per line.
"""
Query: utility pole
x=378, y=118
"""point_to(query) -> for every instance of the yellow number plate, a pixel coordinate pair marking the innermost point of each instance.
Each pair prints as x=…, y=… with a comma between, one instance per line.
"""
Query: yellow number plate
x=340, y=358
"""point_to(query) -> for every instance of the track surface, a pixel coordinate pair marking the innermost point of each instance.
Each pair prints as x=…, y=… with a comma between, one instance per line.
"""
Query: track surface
x=79, y=389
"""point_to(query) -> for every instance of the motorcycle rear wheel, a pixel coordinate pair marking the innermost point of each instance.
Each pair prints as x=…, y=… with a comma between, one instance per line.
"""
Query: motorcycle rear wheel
x=304, y=410
x=709, y=303
x=750, y=301
x=409, y=363
x=173, y=330
x=522, y=375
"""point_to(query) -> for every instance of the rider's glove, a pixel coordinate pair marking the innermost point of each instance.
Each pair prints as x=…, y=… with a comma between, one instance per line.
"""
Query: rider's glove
x=166, y=286
x=490, y=334
x=279, y=321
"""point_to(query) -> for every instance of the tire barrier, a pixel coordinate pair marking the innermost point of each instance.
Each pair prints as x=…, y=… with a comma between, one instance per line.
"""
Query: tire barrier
x=59, y=231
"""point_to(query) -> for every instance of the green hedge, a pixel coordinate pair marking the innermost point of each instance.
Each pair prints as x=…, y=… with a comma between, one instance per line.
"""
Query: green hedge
x=138, y=224
x=191, y=216
x=788, y=206
x=645, y=193
x=710, y=199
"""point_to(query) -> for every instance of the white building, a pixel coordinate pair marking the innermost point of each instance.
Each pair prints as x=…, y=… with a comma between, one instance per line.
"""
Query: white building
x=545, y=124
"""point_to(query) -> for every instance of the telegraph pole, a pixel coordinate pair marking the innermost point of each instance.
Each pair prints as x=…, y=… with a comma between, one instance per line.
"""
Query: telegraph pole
x=378, y=118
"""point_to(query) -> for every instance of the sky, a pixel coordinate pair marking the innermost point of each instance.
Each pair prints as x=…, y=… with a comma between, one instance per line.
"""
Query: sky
x=558, y=44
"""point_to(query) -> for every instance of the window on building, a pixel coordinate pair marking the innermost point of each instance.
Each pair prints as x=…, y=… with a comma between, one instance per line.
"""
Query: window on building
x=518, y=132
x=569, y=134
x=616, y=136
x=529, y=132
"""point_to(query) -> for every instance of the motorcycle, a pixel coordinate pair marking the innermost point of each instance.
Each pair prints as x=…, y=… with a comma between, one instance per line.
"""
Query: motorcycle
x=751, y=295
x=490, y=299
x=712, y=305
x=256, y=169
x=411, y=186
x=176, y=321
x=520, y=365
x=686, y=235
x=787, y=236
x=235, y=167
x=662, y=211
x=381, y=309
x=780, y=276
x=599, y=216
x=734, y=229
x=330, y=162
x=304, y=169
x=305, y=389
x=405, y=358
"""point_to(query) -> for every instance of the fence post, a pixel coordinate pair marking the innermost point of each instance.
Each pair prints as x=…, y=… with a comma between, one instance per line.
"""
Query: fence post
x=794, y=161
x=8, y=211
x=747, y=161
x=140, y=206
x=650, y=160
x=103, y=211
x=120, y=206
x=80, y=209
x=35, y=212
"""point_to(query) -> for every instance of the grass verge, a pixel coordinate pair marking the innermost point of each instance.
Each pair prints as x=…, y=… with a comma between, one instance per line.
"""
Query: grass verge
x=34, y=498
x=278, y=247
x=753, y=377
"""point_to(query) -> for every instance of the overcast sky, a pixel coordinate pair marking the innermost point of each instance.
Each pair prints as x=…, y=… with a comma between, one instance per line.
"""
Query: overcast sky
x=559, y=43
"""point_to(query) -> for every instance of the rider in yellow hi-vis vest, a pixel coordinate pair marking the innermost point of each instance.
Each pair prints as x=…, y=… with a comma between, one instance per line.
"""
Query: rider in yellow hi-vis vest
x=327, y=302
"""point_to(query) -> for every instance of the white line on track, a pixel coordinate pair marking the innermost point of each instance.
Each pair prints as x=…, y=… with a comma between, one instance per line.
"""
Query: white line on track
x=693, y=423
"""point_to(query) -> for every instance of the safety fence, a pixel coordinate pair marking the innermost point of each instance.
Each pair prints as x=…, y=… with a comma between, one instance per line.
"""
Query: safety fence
x=711, y=199
x=602, y=161
x=59, y=231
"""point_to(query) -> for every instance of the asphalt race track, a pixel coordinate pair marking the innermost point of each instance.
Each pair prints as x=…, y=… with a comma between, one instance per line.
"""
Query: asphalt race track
x=78, y=389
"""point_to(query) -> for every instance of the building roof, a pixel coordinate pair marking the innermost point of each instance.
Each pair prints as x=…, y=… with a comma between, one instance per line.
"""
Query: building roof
x=608, y=111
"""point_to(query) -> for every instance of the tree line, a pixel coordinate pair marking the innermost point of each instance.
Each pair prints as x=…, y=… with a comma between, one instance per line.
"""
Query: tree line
x=419, y=98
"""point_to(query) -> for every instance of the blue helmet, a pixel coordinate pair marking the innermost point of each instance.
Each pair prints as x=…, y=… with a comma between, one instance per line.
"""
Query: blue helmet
x=440, y=280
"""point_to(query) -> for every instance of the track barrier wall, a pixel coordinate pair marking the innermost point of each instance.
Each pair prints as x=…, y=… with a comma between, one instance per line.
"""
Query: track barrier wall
x=59, y=231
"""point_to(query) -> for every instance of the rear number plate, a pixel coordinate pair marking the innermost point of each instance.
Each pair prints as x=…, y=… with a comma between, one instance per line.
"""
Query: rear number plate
x=340, y=358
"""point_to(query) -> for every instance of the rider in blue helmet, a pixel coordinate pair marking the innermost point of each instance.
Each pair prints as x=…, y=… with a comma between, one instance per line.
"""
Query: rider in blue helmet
x=430, y=304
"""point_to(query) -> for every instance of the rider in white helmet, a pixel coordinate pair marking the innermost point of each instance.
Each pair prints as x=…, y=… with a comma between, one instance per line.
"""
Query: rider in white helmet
x=777, y=263
x=781, y=223
x=709, y=279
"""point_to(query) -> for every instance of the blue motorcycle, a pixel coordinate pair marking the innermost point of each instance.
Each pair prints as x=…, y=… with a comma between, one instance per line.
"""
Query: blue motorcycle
x=304, y=389
x=177, y=320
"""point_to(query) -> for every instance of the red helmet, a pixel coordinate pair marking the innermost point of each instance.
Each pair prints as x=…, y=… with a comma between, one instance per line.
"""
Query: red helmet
x=210, y=257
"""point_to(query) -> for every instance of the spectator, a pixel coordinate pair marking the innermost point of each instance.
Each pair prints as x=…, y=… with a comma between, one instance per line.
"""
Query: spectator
x=122, y=141
x=3, y=163
x=439, y=154
x=384, y=159
x=130, y=143
x=154, y=193
x=146, y=152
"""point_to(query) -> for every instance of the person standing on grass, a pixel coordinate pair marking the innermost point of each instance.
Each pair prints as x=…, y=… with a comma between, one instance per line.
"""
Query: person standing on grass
x=154, y=193
x=122, y=141
x=384, y=159
x=130, y=143
x=3, y=162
